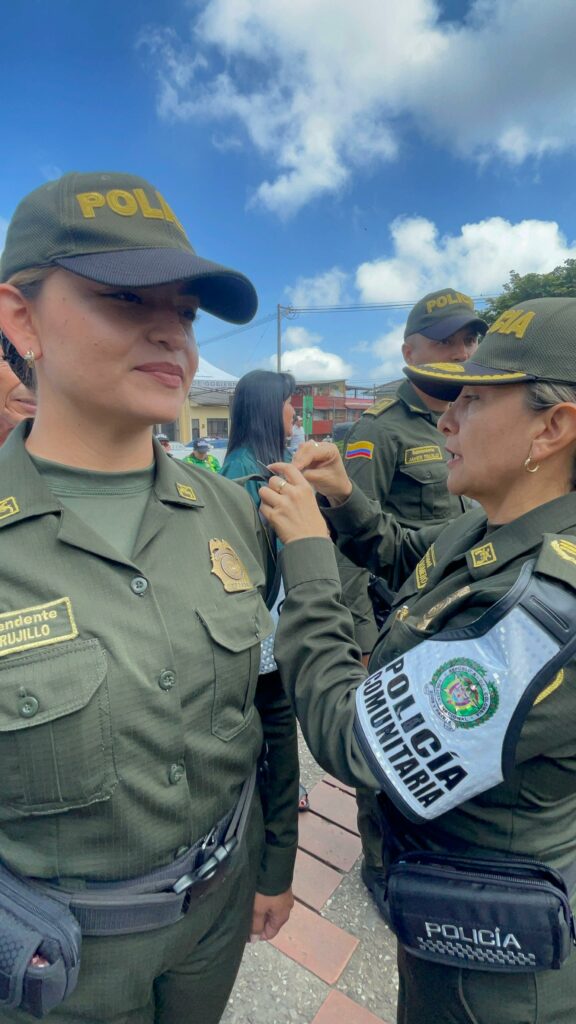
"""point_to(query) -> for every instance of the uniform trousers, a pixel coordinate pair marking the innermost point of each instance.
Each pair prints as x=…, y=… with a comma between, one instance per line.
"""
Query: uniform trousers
x=432, y=994
x=369, y=826
x=181, y=974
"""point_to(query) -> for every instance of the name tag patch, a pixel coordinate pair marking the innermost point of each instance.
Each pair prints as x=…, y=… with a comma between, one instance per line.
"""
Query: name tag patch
x=423, y=567
x=37, y=626
x=425, y=453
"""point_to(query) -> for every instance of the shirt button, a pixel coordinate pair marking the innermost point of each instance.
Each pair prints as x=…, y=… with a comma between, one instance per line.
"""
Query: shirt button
x=28, y=707
x=175, y=773
x=139, y=585
x=166, y=679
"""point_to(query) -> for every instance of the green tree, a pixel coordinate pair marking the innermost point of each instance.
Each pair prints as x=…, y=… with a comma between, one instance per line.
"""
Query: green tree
x=558, y=283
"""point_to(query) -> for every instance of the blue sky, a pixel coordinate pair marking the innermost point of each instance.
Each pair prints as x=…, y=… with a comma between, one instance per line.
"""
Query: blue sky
x=337, y=153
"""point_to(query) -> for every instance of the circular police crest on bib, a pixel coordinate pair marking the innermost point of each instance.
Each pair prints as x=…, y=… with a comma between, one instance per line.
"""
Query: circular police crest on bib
x=461, y=695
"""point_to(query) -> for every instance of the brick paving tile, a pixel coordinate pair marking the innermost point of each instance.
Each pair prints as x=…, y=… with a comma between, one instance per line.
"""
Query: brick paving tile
x=316, y=944
x=338, y=1009
x=314, y=882
x=333, y=804
x=331, y=781
x=328, y=842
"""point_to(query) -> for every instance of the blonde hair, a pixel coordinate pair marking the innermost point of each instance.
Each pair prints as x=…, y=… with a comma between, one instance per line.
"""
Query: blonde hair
x=29, y=281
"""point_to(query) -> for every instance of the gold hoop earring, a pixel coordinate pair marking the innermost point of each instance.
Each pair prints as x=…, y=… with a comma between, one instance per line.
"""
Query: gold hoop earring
x=29, y=359
x=527, y=466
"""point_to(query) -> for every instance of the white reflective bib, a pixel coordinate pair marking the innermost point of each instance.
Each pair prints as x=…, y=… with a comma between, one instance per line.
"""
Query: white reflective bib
x=440, y=725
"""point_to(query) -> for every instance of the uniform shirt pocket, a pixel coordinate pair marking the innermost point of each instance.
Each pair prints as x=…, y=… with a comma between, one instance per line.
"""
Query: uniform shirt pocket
x=235, y=630
x=55, y=732
x=425, y=495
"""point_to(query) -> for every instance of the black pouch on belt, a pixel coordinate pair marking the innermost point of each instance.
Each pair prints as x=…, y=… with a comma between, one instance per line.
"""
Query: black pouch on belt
x=32, y=922
x=500, y=914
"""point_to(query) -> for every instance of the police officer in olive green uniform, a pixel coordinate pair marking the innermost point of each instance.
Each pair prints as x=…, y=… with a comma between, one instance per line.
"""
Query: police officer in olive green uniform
x=395, y=454
x=511, y=434
x=131, y=614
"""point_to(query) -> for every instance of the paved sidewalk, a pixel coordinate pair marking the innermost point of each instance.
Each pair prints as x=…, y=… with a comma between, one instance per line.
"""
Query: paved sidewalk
x=334, y=962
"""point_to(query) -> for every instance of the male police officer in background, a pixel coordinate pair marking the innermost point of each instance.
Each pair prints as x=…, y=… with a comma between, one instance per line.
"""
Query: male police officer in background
x=396, y=455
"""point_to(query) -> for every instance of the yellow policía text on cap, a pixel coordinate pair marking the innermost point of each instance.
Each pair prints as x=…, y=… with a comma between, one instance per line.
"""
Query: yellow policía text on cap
x=513, y=321
x=448, y=299
x=127, y=204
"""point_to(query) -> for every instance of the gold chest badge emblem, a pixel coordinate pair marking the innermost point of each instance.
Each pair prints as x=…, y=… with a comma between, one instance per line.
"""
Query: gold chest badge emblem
x=228, y=568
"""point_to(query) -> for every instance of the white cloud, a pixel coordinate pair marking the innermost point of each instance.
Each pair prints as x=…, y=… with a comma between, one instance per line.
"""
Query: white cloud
x=303, y=356
x=300, y=337
x=313, y=364
x=387, y=349
x=324, y=87
x=327, y=289
x=478, y=260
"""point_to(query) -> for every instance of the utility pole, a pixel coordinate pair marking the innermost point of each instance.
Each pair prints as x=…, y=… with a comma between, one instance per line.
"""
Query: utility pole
x=279, y=338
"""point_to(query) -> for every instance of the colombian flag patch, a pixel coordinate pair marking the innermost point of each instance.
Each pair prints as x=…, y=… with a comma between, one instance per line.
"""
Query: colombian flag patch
x=360, y=450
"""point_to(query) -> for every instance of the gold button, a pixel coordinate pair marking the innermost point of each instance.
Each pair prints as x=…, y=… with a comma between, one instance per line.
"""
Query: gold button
x=403, y=613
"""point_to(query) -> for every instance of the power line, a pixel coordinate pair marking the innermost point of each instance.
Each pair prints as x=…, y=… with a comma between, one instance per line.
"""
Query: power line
x=238, y=330
x=288, y=312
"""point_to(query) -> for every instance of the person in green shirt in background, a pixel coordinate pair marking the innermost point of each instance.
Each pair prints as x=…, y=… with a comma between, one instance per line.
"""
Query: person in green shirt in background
x=201, y=456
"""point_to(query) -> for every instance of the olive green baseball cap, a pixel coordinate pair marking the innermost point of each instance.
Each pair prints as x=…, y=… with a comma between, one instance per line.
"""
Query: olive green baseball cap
x=117, y=229
x=442, y=313
x=534, y=340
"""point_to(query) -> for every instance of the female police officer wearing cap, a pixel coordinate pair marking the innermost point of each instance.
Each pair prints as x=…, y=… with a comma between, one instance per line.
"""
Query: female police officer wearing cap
x=511, y=438
x=131, y=614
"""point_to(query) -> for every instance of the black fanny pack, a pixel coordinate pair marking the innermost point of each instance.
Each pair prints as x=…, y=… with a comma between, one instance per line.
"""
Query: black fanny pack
x=509, y=915
x=35, y=925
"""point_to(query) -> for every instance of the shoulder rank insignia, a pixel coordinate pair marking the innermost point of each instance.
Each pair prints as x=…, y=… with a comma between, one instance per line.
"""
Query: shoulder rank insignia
x=557, y=557
x=565, y=548
x=381, y=406
x=228, y=568
x=8, y=507
x=359, y=450
x=556, y=682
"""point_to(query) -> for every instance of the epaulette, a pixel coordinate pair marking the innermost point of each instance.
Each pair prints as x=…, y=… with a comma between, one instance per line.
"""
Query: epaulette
x=381, y=406
x=557, y=557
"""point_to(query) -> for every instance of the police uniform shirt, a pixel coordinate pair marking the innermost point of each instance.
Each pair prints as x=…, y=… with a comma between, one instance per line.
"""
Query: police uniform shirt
x=128, y=684
x=444, y=575
x=395, y=454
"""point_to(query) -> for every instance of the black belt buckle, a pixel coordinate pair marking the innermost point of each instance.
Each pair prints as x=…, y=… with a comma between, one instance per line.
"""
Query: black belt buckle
x=199, y=882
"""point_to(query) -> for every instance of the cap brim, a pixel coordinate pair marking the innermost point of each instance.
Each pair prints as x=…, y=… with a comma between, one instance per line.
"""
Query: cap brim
x=449, y=325
x=221, y=291
x=446, y=380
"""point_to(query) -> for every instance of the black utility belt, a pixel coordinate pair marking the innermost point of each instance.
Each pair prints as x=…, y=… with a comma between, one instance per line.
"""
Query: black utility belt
x=507, y=915
x=42, y=925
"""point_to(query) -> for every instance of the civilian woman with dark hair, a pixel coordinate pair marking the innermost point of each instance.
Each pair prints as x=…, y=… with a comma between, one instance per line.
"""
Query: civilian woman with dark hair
x=262, y=415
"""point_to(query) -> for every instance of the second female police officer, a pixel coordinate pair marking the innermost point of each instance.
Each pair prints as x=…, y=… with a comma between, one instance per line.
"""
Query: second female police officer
x=466, y=724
